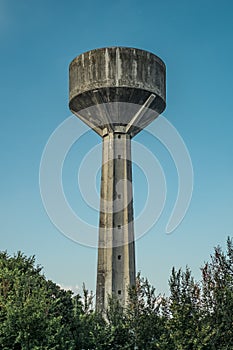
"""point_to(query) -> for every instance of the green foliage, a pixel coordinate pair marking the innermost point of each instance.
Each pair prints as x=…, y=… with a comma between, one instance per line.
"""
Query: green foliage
x=184, y=305
x=217, y=300
x=37, y=314
x=33, y=311
x=144, y=315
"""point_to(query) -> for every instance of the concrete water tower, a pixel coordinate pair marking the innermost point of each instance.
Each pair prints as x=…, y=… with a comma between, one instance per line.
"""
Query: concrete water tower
x=117, y=91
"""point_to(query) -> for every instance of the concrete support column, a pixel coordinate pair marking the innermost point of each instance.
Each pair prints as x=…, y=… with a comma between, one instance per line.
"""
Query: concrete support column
x=116, y=252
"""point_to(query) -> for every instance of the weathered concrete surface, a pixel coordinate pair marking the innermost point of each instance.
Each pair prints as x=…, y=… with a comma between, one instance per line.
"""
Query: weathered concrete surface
x=116, y=75
x=116, y=255
x=111, y=90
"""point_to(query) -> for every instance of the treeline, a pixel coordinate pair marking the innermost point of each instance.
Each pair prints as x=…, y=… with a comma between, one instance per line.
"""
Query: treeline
x=36, y=314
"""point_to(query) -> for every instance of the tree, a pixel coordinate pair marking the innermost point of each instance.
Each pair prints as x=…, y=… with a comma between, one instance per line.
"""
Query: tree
x=183, y=323
x=199, y=315
x=144, y=315
x=33, y=311
x=37, y=314
x=217, y=299
x=195, y=316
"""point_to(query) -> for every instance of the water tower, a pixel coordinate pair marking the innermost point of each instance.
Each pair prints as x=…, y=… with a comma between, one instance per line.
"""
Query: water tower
x=117, y=91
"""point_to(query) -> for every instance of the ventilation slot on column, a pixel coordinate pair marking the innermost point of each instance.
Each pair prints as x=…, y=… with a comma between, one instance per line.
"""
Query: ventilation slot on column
x=119, y=257
x=119, y=136
x=119, y=292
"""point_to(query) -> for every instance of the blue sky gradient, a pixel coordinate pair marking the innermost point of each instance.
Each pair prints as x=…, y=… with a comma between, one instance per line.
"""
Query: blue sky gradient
x=38, y=39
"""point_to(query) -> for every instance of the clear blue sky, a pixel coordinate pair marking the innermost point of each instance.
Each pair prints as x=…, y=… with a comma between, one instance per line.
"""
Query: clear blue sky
x=38, y=39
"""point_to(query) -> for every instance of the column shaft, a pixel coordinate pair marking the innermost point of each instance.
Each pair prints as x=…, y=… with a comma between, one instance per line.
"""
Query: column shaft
x=116, y=252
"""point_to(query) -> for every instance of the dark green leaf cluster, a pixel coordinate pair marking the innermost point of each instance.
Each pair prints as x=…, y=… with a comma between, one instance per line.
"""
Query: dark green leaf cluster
x=34, y=313
x=37, y=314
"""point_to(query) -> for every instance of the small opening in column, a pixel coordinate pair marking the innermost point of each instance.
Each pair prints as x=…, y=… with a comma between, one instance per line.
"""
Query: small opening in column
x=119, y=226
x=119, y=156
x=119, y=136
x=119, y=292
x=119, y=257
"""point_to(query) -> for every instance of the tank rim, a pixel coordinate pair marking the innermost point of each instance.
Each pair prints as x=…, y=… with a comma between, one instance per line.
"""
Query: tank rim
x=120, y=47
